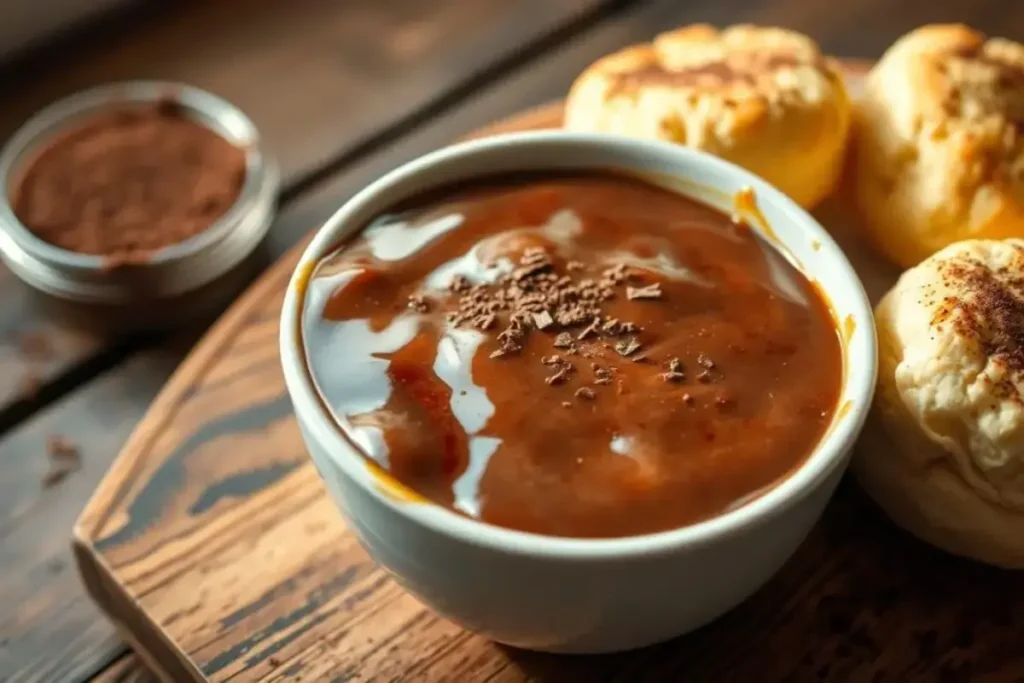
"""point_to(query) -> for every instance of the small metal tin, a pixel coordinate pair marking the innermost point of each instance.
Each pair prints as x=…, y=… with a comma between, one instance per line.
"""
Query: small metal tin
x=171, y=272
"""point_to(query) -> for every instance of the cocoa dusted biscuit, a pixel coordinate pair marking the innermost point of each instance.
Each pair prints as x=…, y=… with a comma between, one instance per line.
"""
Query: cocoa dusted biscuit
x=944, y=447
x=939, y=156
x=763, y=98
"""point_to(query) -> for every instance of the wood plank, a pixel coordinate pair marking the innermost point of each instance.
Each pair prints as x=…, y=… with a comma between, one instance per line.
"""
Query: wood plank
x=49, y=630
x=318, y=83
x=530, y=86
x=126, y=669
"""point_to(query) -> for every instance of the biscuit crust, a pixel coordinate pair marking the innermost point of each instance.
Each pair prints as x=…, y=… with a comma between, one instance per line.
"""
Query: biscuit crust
x=764, y=98
x=939, y=156
x=944, y=449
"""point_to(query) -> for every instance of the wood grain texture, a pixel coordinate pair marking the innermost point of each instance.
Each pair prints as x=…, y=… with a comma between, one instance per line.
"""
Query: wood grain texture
x=319, y=83
x=240, y=567
x=49, y=630
x=126, y=669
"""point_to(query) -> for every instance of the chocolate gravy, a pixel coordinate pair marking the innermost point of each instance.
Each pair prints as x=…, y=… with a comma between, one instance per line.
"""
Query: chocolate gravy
x=582, y=355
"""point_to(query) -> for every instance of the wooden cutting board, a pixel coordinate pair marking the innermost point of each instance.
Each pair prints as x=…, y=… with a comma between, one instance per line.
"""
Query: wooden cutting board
x=214, y=548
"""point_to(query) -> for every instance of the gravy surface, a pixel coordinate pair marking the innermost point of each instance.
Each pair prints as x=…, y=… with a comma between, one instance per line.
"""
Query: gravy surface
x=581, y=355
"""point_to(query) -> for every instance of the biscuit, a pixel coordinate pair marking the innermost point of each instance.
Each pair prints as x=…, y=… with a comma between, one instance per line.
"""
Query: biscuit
x=763, y=98
x=939, y=156
x=944, y=447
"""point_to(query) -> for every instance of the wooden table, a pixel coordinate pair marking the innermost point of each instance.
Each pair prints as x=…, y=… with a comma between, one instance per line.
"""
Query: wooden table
x=341, y=91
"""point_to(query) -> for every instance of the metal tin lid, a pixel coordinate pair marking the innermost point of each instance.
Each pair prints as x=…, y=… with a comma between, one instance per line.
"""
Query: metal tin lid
x=168, y=272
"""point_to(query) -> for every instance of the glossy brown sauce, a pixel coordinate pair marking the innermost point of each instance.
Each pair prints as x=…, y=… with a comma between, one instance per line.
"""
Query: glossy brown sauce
x=727, y=384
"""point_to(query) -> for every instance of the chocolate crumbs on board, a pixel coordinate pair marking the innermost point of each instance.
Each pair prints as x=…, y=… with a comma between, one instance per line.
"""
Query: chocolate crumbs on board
x=61, y=448
x=64, y=459
x=586, y=394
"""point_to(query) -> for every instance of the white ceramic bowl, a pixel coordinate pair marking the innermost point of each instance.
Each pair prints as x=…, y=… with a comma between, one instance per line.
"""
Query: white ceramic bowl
x=586, y=595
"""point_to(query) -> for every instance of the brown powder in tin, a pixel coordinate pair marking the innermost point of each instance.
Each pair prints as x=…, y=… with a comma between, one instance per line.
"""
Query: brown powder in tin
x=128, y=182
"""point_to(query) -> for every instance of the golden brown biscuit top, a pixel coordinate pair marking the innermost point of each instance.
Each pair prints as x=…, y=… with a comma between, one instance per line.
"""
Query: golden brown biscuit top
x=957, y=84
x=740, y=62
x=982, y=78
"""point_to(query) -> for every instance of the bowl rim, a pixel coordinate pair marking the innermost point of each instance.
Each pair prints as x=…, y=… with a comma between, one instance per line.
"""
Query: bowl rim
x=829, y=454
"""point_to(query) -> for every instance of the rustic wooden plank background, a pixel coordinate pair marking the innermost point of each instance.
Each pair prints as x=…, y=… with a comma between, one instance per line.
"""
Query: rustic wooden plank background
x=857, y=27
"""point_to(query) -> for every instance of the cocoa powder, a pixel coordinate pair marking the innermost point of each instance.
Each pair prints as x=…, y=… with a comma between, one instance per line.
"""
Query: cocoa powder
x=128, y=182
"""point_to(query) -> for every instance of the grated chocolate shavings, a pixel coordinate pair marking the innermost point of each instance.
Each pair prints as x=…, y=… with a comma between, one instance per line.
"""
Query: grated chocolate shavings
x=585, y=393
x=543, y=320
x=534, y=255
x=672, y=376
x=459, y=283
x=588, y=331
x=704, y=376
x=617, y=274
x=563, y=340
x=627, y=347
x=560, y=377
x=705, y=362
x=602, y=375
x=687, y=399
x=612, y=327
x=419, y=303
x=511, y=339
x=566, y=404
x=485, y=321
x=537, y=297
x=652, y=291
